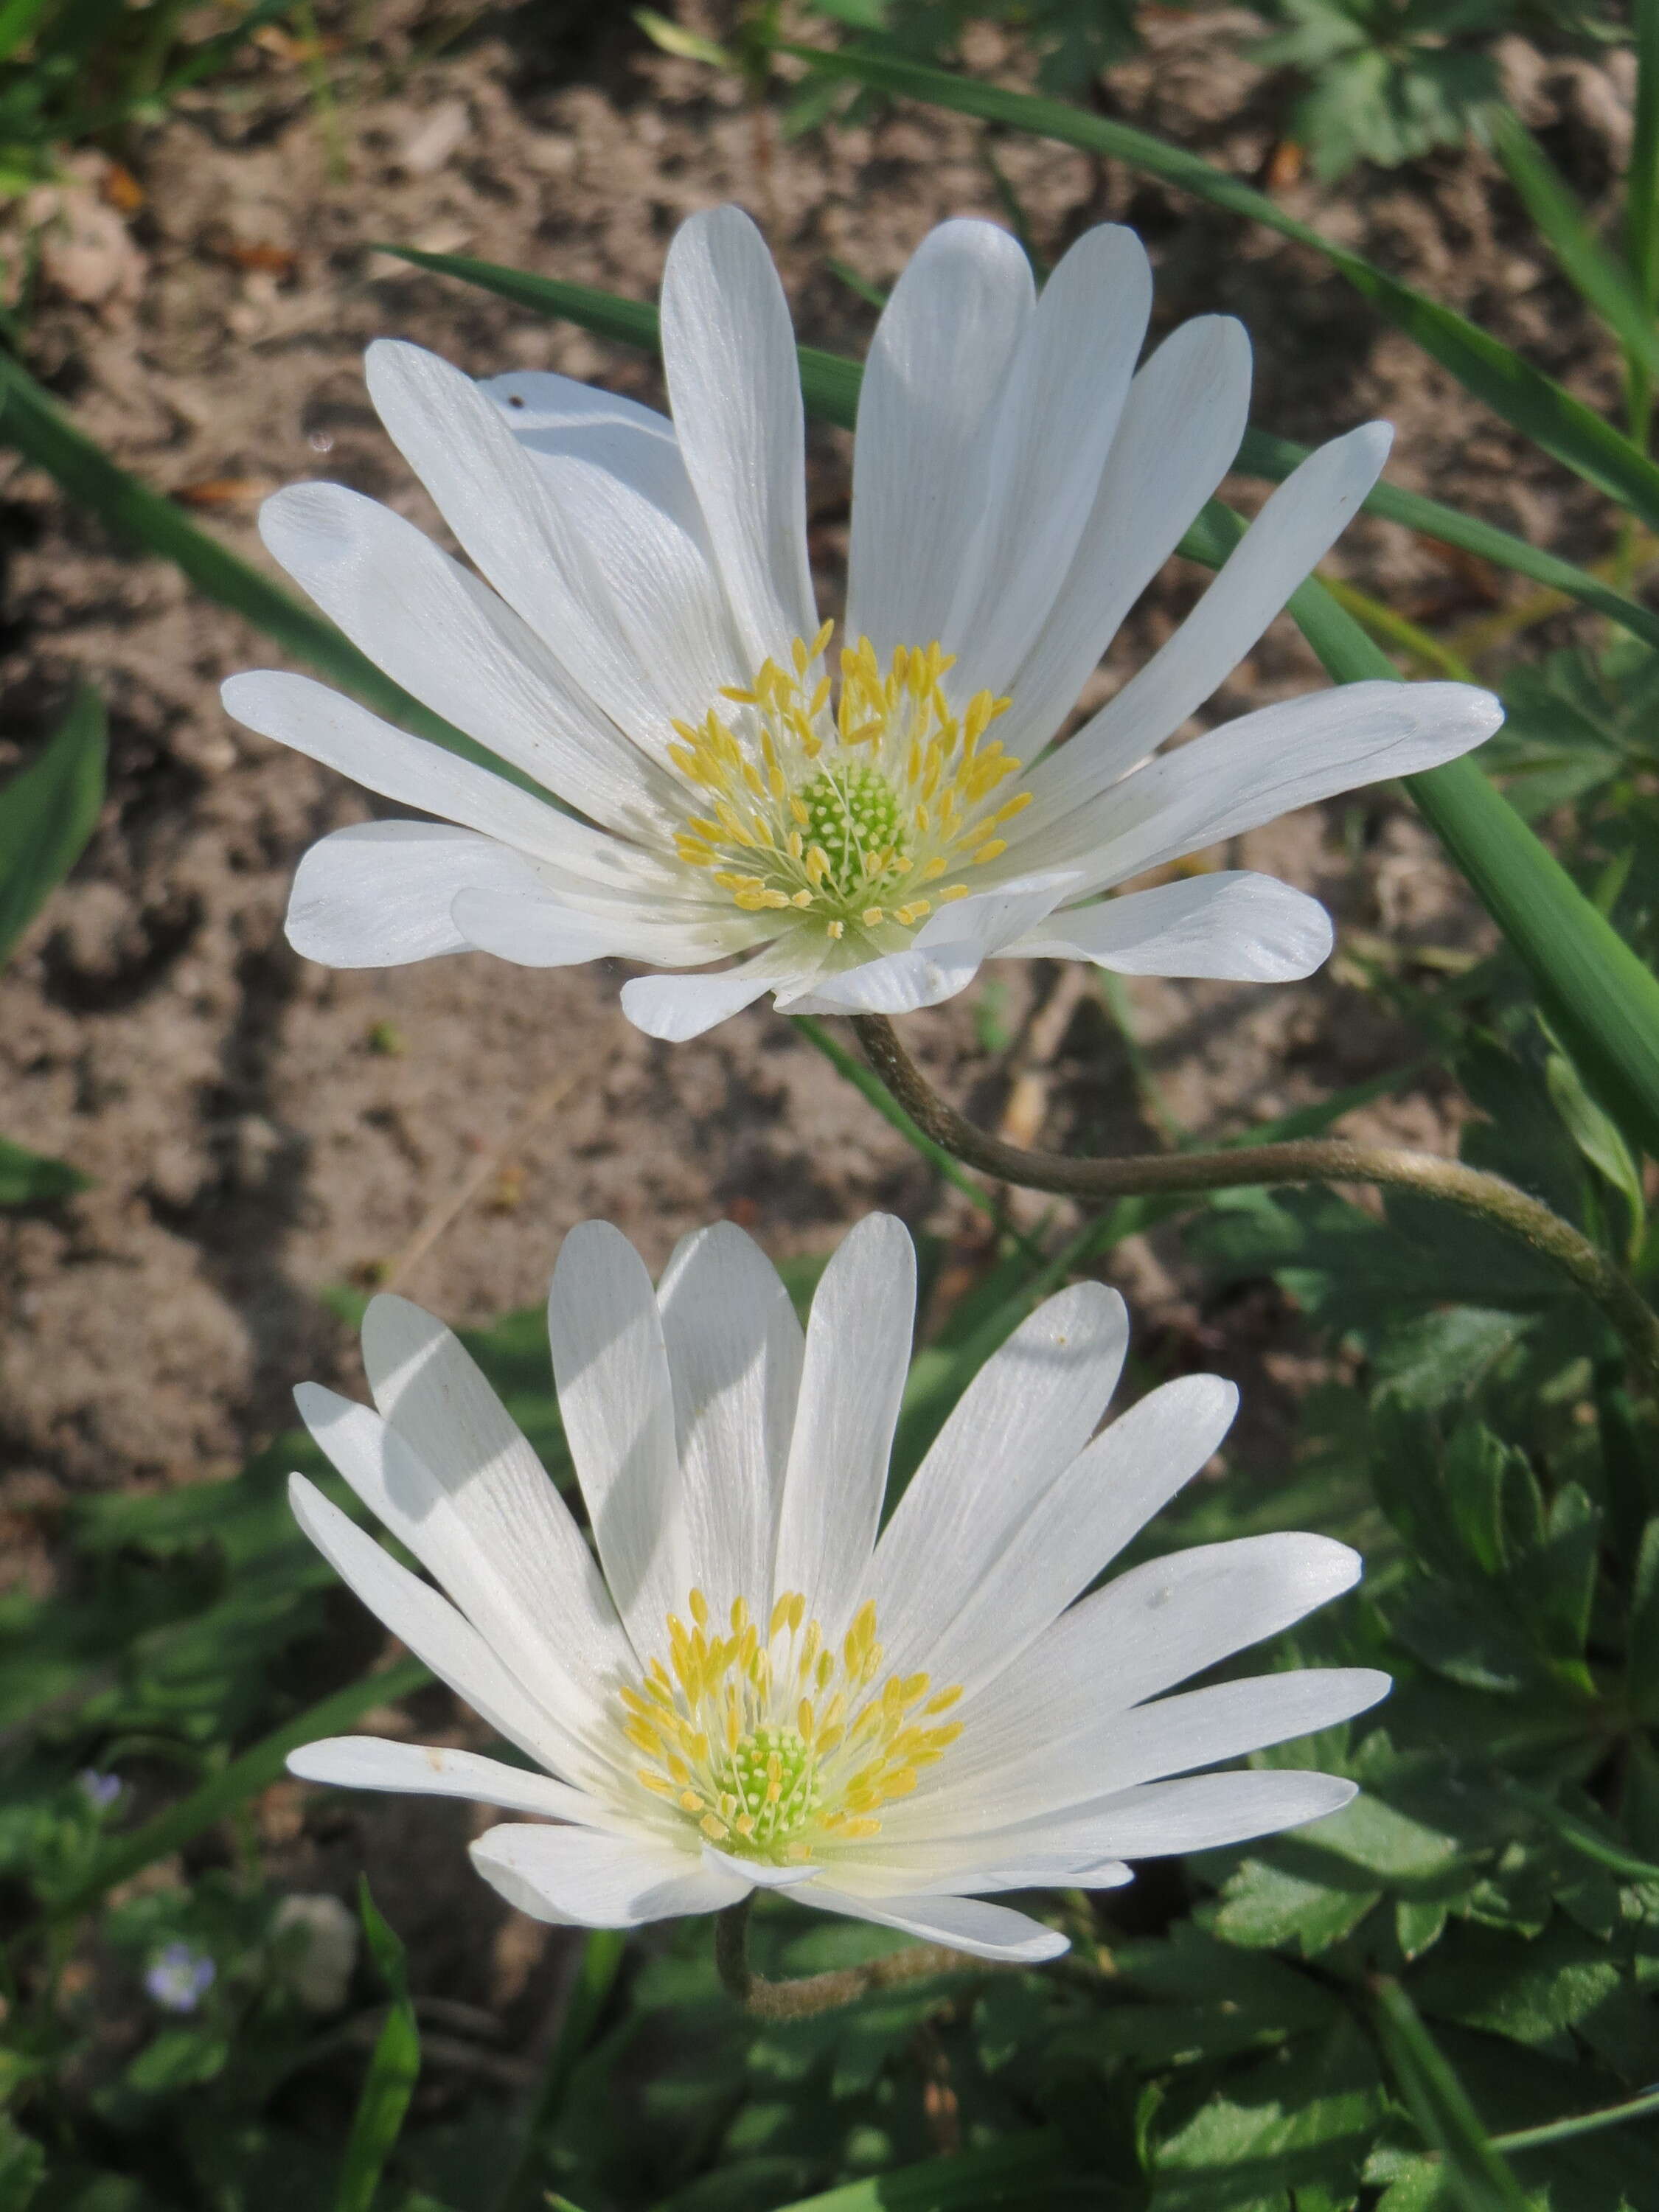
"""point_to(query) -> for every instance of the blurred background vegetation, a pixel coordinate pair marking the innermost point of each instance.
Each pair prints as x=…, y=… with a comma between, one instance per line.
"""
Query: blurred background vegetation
x=1444, y=1998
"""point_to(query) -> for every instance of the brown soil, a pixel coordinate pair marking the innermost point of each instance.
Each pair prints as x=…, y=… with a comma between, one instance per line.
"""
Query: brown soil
x=259, y=1128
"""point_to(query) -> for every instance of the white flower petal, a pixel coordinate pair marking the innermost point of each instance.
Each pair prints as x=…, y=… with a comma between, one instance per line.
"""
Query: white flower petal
x=493, y=1490
x=1200, y=1815
x=578, y=1878
x=858, y=1353
x=1269, y=763
x=1233, y=925
x=1081, y=1523
x=894, y=983
x=1152, y=1627
x=970, y=1867
x=379, y=893
x=1298, y=526
x=653, y=573
x=735, y=1350
x=944, y=955
x=675, y=1007
x=734, y=383
x=1176, y=441
x=372, y=1762
x=438, y=1635
x=327, y=726
x=1075, y=1754
x=542, y=1620
x=965, y=1924
x=552, y=414
x=1048, y=441
x=755, y=1873
x=617, y=1405
x=495, y=497
x=1019, y=1424
x=544, y=932
x=447, y=638
x=934, y=370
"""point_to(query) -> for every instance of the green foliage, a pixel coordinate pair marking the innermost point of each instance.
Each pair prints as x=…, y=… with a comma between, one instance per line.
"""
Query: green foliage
x=77, y=70
x=47, y=812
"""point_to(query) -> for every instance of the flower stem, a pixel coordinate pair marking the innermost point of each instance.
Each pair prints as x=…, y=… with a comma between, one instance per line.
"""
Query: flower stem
x=814, y=1993
x=1323, y=1160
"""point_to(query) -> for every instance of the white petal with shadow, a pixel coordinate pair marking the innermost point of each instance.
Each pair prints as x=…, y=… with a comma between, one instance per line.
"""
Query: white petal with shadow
x=575, y=1877
x=1232, y=925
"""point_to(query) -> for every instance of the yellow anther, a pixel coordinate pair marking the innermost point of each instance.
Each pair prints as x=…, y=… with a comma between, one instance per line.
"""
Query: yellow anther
x=942, y=1701
x=691, y=1801
x=780, y=1615
x=994, y=851
x=658, y=1784
x=699, y=1605
x=823, y=639
x=870, y=916
x=743, y=698
x=715, y=1829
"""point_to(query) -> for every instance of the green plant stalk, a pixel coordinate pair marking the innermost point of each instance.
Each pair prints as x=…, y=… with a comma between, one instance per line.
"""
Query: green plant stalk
x=1573, y=433
x=1380, y=621
x=814, y=1993
x=1602, y=999
x=1579, y=2124
x=846, y=1066
x=1306, y=1160
x=1439, y=2103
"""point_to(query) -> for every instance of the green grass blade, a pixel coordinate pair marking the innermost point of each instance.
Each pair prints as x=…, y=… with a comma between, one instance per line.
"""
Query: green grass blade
x=602, y=1952
x=1601, y=1000
x=1261, y=454
x=1641, y=181
x=1594, y=274
x=47, y=812
x=29, y=1178
x=256, y=1769
x=831, y=385
x=394, y=2068
x=128, y=510
x=1437, y=2101
x=1561, y=425
x=1646, y=2107
x=1019, y=2169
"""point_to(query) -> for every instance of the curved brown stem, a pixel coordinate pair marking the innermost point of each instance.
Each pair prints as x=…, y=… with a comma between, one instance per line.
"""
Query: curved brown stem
x=814, y=1993
x=1318, y=1159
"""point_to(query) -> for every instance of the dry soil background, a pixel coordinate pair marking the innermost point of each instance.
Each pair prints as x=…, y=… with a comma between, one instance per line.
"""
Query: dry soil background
x=258, y=1128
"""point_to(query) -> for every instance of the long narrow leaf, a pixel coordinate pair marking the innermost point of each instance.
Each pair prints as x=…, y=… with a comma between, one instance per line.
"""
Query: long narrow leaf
x=603, y=1951
x=31, y=423
x=255, y=1770
x=1644, y=2107
x=1547, y=414
x=394, y=2067
x=1600, y=999
x=1261, y=454
x=1593, y=273
x=1642, y=183
x=29, y=1178
x=831, y=385
x=47, y=812
x=1021, y=2169
x=1476, y=2172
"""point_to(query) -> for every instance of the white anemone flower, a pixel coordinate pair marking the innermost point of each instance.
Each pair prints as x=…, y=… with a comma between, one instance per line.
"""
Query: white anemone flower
x=750, y=1689
x=865, y=825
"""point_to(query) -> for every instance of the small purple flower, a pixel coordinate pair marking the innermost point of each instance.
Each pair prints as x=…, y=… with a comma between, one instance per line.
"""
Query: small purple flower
x=179, y=1977
x=100, y=1790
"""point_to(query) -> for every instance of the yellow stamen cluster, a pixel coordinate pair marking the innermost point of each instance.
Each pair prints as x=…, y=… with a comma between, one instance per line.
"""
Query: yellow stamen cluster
x=856, y=814
x=777, y=1746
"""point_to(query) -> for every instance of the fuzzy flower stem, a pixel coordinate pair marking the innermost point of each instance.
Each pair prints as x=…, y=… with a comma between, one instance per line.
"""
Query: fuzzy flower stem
x=814, y=1993
x=1321, y=1159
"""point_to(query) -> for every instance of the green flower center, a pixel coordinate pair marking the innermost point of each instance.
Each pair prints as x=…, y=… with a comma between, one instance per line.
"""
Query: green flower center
x=854, y=817
x=771, y=1774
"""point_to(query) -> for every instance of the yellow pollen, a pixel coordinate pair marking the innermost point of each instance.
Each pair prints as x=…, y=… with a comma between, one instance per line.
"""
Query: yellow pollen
x=778, y=1744
x=818, y=802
